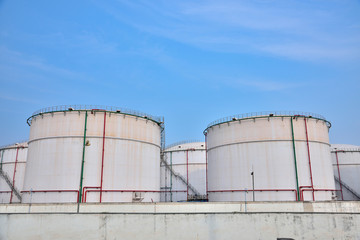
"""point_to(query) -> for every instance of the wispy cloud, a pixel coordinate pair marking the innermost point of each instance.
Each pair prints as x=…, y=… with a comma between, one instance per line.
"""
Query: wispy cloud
x=95, y=43
x=26, y=78
x=83, y=42
x=16, y=59
x=259, y=85
x=294, y=29
x=311, y=51
x=18, y=99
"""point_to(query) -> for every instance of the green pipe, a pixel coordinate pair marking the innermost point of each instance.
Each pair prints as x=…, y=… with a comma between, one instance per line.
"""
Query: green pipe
x=83, y=160
x=2, y=156
x=171, y=177
x=296, y=172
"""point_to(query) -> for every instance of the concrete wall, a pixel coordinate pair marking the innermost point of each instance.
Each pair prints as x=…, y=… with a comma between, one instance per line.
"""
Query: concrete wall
x=332, y=220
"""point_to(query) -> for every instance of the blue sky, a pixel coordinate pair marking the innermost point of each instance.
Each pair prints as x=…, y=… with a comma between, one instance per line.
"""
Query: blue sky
x=189, y=61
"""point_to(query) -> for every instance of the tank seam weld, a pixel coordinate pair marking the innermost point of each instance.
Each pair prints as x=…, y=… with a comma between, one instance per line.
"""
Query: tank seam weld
x=12, y=162
x=114, y=138
x=346, y=164
x=229, y=144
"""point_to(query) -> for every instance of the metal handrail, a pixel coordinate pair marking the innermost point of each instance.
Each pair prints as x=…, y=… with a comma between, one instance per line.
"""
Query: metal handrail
x=76, y=107
x=345, y=149
x=13, y=145
x=5, y=176
x=163, y=159
x=352, y=191
x=66, y=108
x=181, y=142
x=265, y=113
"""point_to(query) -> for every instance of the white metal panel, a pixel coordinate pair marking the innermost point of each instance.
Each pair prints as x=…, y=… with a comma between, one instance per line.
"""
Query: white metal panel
x=264, y=146
x=127, y=158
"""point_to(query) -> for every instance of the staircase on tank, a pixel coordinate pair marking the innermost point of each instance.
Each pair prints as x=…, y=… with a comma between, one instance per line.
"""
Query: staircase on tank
x=347, y=187
x=196, y=195
x=12, y=187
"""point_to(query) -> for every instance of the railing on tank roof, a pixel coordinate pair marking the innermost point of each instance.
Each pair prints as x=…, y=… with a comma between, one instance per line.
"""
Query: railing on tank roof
x=181, y=142
x=15, y=144
x=97, y=107
x=344, y=149
x=265, y=113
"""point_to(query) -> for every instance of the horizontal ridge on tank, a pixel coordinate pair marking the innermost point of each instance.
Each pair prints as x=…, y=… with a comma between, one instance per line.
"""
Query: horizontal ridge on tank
x=270, y=156
x=92, y=153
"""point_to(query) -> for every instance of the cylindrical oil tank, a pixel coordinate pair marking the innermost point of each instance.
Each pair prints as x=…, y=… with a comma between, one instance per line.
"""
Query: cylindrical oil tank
x=183, y=172
x=346, y=165
x=12, y=171
x=93, y=154
x=269, y=156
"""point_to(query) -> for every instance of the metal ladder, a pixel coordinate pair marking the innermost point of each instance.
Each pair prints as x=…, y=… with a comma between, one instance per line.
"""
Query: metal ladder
x=7, y=180
x=177, y=175
x=352, y=191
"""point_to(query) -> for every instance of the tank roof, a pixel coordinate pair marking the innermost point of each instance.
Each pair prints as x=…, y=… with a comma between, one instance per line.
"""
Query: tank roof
x=267, y=114
x=65, y=108
x=184, y=145
x=22, y=143
x=344, y=147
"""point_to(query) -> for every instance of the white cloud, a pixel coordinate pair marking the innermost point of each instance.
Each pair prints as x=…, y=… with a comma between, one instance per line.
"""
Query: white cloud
x=18, y=99
x=16, y=59
x=260, y=84
x=325, y=30
x=94, y=43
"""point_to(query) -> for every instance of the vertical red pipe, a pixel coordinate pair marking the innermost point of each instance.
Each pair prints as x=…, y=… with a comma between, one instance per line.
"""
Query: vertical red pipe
x=307, y=142
x=13, y=183
x=187, y=175
x=206, y=177
x=102, y=158
x=337, y=163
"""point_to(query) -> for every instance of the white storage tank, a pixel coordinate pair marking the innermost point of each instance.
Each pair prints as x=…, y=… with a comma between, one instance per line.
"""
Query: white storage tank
x=346, y=165
x=183, y=172
x=93, y=154
x=269, y=156
x=12, y=171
